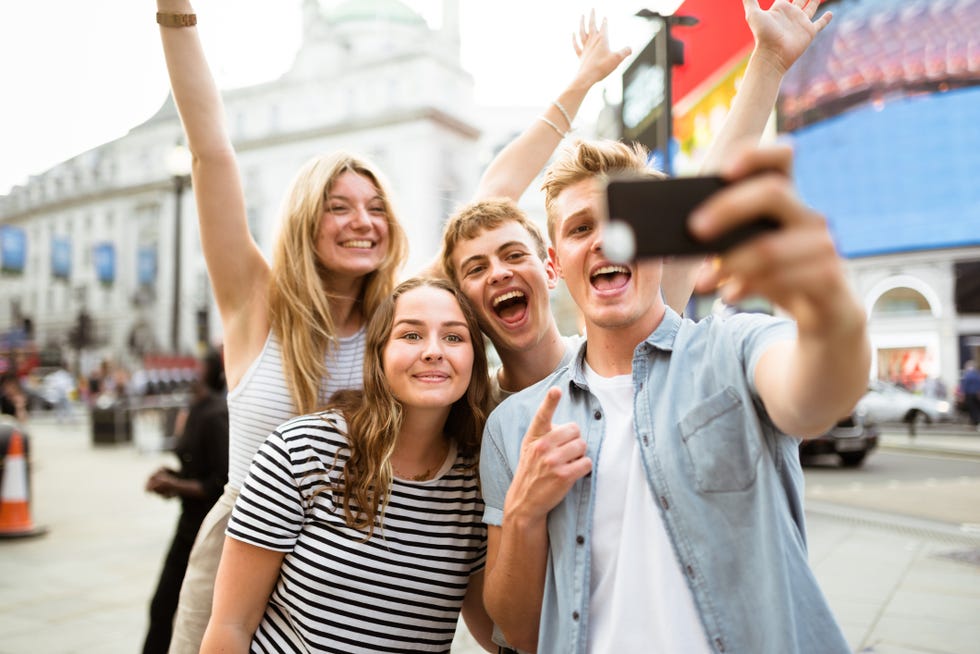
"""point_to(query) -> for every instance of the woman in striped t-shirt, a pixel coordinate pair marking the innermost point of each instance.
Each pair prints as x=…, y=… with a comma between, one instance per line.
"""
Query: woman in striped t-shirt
x=359, y=529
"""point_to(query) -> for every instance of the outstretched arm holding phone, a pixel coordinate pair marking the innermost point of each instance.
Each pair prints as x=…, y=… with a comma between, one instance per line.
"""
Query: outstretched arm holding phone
x=782, y=34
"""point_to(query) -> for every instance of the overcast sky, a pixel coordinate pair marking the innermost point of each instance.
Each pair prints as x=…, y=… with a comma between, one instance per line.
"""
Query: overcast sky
x=76, y=74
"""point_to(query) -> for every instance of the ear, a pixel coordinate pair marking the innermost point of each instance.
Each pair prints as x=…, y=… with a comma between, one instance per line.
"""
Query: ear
x=554, y=268
x=551, y=270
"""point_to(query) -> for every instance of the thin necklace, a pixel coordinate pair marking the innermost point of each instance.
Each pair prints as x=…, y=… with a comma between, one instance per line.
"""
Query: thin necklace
x=422, y=476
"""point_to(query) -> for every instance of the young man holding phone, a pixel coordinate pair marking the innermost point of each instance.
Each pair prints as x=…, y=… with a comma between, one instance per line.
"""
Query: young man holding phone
x=648, y=497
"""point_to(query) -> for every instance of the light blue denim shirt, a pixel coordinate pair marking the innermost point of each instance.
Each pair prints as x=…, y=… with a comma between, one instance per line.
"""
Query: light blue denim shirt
x=727, y=481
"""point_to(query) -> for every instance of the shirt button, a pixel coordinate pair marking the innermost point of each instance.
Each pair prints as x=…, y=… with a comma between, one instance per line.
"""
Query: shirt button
x=646, y=439
x=664, y=503
x=597, y=415
x=580, y=540
x=575, y=615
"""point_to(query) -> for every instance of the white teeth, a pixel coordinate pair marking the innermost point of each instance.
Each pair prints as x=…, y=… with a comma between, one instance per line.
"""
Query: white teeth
x=507, y=296
x=607, y=270
x=357, y=244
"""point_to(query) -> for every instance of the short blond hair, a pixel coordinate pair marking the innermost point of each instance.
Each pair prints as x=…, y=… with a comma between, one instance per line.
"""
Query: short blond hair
x=590, y=159
x=477, y=217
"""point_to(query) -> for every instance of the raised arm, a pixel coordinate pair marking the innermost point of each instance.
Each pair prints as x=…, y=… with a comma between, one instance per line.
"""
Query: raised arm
x=516, y=166
x=806, y=384
x=782, y=34
x=239, y=273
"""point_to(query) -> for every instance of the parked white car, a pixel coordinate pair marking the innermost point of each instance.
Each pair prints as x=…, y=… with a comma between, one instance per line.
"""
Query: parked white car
x=886, y=402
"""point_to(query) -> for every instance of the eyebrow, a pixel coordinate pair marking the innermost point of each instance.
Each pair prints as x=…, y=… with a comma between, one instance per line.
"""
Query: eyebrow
x=584, y=212
x=509, y=244
x=415, y=322
x=337, y=196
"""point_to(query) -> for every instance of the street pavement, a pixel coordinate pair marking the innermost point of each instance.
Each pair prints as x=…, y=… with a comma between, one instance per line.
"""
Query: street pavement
x=898, y=585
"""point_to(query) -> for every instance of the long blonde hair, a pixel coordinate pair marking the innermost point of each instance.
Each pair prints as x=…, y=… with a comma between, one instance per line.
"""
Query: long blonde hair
x=299, y=306
x=374, y=416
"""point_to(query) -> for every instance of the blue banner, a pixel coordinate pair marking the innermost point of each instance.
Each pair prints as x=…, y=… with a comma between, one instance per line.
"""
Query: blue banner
x=104, y=259
x=13, y=248
x=60, y=257
x=146, y=265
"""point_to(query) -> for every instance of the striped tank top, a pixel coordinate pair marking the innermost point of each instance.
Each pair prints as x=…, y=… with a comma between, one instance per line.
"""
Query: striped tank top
x=261, y=400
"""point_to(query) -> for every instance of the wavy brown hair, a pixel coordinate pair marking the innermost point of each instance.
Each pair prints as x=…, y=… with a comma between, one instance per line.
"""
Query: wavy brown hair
x=299, y=305
x=374, y=416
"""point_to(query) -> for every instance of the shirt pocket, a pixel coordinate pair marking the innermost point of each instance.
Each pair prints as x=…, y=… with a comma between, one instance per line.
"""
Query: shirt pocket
x=722, y=452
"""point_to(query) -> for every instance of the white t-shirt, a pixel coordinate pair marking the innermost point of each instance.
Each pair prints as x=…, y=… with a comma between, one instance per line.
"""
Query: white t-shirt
x=639, y=600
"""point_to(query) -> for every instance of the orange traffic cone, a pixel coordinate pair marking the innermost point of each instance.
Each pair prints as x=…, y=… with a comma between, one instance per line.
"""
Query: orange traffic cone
x=15, y=512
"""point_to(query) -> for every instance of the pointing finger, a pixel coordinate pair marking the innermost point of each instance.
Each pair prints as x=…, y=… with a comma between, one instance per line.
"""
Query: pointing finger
x=541, y=423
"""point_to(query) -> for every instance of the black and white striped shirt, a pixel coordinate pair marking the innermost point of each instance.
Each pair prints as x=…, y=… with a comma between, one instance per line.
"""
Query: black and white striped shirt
x=400, y=590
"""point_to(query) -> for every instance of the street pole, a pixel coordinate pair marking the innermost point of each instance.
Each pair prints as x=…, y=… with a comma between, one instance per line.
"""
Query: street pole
x=179, y=166
x=180, y=181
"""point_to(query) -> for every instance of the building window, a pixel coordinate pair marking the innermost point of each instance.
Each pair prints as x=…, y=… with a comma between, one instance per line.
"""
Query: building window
x=901, y=301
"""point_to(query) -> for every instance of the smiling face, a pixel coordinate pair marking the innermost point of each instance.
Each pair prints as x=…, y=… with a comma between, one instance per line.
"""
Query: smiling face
x=502, y=275
x=611, y=296
x=428, y=358
x=353, y=236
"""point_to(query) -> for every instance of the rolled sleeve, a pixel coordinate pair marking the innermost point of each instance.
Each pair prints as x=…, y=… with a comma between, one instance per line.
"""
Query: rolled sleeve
x=495, y=473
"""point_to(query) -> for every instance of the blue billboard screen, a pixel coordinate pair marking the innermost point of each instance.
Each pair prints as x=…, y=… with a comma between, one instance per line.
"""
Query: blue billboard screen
x=897, y=176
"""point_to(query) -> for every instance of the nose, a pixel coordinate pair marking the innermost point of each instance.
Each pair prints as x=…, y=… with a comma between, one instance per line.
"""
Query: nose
x=597, y=242
x=360, y=218
x=498, y=273
x=432, y=351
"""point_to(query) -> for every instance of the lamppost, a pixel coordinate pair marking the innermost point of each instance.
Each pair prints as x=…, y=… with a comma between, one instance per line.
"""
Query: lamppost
x=647, y=87
x=179, y=167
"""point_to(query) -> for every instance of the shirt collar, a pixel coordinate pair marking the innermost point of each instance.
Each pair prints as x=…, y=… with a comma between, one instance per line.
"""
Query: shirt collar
x=662, y=338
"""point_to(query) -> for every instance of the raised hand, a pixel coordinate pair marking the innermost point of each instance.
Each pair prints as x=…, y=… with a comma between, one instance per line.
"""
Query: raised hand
x=591, y=43
x=784, y=31
x=552, y=460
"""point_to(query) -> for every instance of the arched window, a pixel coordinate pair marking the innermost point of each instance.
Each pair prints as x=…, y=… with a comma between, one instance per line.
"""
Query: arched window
x=901, y=301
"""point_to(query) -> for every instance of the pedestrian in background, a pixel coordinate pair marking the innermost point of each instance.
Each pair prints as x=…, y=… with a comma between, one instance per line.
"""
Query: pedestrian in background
x=13, y=399
x=202, y=448
x=970, y=387
x=359, y=528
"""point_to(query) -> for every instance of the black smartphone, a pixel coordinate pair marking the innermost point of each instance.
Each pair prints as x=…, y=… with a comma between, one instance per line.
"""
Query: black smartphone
x=648, y=218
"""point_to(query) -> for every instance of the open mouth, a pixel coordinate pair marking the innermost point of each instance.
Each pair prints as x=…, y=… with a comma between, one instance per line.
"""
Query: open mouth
x=510, y=306
x=610, y=277
x=360, y=244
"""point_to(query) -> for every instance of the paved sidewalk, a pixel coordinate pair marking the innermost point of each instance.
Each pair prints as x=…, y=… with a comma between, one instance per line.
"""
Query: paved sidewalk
x=898, y=587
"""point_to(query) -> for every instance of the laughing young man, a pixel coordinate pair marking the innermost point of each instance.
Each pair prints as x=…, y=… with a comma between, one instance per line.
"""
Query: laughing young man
x=647, y=497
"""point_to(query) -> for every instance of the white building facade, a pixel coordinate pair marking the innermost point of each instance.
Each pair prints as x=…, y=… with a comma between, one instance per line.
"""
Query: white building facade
x=371, y=77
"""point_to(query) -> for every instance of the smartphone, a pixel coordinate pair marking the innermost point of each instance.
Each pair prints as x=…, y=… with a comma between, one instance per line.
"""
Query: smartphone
x=648, y=218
